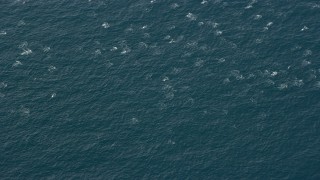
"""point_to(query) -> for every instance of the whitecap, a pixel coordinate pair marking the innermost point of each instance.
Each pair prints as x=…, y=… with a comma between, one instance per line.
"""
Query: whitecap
x=221, y=60
x=212, y=24
x=23, y=44
x=165, y=79
x=105, y=25
x=176, y=70
x=256, y=17
x=304, y=28
x=172, y=41
x=17, y=63
x=274, y=73
x=129, y=29
x=21, y=23
x=3, y=33
x=143, y=45
x=51, y=68
x=283, y=86
x=24, y=111
x=226, y=81
x=191, y=16
x=298, y=82
x=146, y=35
x=305, y=63
x=26, y=51
x=204, y=2
x=144, y=27
x=174, y=5
x=199, y=63
x=270, y=82
x=171, y=142
x=167, y=37
x=315, y=5
x=46, y=49
x=97, y=52
x=307, y=53
x=134, y=120
x=171, y=27
x=218, y=33
x=250, y=5
x=258, y=41
x=125, y=50
x=269, y=24
x=237, y=75
x=3, y=85
x=114, y=48
x=53, y=95
x=169, y=95
x=250, y=76
x=200, y=23
x=109, y=64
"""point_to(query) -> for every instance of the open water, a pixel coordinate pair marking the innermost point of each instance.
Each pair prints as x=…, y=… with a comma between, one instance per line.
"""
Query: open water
x=160, y=89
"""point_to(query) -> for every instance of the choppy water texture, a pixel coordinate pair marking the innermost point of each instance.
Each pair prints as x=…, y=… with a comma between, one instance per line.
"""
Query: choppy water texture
x=177, y=89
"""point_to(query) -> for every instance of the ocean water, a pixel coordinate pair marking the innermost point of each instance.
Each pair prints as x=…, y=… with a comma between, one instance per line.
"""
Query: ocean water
x=176, y=89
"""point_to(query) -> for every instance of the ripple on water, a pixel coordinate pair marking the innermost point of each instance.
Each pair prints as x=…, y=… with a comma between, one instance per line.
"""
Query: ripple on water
x=317, y=84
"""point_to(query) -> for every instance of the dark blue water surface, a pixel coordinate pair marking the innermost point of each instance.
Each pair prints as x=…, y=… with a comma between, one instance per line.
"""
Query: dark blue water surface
x=176, y=89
